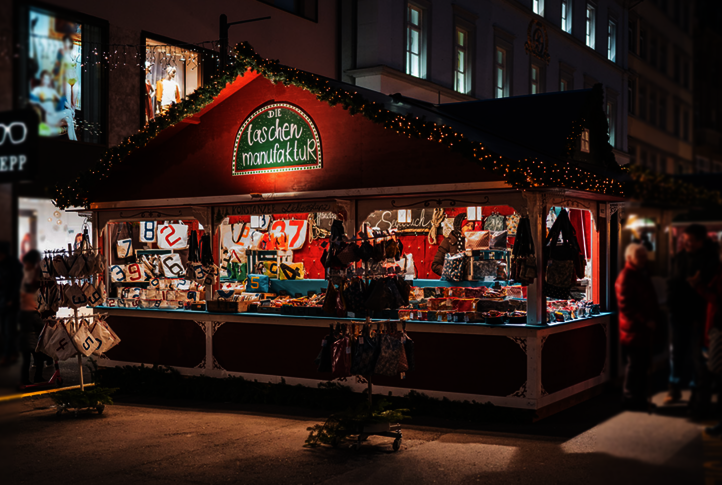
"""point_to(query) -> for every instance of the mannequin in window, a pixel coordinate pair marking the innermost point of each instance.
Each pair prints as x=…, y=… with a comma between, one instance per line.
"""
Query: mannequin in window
x=149, y=93
x=167, y=91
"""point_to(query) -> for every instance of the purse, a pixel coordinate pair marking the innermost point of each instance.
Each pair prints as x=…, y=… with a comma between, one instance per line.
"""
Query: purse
x=484, y=268
x=173, y=236
x=494, y=222
x=124, y=242
x=497, y=240
x=477, y=240
x=341, y=358
x=365, y=354
x=453, y=269
x=291, y=271
x=563, y=260
x=512, y=223
x=60, y=343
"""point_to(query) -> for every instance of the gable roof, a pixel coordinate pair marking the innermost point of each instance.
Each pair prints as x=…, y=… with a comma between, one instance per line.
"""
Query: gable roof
x=464, y=128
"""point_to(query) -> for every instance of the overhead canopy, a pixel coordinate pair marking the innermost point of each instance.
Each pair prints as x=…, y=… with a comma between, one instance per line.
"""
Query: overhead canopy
x=368, y=140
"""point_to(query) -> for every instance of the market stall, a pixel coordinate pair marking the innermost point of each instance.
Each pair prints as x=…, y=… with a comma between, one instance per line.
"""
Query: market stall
x=235, y=237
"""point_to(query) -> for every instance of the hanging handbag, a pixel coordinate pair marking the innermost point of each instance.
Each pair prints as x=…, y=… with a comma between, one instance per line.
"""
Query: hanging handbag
x=44, y=340
x=494, y=222
x=389, y=357
x=561, y=259
x=61, y=343
x=324, y=360
x=173, y=236
x=365, y=354
x=84, y=341
x=341, y=358
x=124, y=241
x=512, y=223
x=60, y=267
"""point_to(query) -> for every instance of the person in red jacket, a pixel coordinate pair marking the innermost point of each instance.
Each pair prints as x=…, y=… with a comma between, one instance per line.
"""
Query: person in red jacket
x=638, y=316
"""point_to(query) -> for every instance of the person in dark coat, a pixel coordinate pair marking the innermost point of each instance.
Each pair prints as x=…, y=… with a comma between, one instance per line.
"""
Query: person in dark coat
x=639, y=315
x=11, y=274
x=692, y=267
x=451, y=245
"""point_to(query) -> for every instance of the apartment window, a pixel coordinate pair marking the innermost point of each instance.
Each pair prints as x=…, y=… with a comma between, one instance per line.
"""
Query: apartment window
x=501, y=73
x=643, y=44
x=643, y=102
x=685, y=125
x=567, y=16
x=563, y=85
x=584, y=147
x=676, y=122
x=611, y=110
x=462, y=61
x=663, y=112
x=415, y=41
x=663, y=55
x=677, y=68
x=307, y=9
x=612, y=41
x=653, y=51
x=538, y=7
x=652, y=108
x=633, y=36
x=590, y=27
x=632, y=95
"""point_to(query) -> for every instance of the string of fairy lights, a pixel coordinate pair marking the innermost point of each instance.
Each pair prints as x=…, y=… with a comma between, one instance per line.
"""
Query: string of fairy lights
x=521, y=174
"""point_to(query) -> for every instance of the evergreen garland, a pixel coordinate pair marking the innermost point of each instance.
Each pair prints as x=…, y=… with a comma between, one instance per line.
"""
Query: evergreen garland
x=521, y=174
x=661, y=189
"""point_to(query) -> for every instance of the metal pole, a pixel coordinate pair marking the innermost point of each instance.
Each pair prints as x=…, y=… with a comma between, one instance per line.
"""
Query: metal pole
x=80, y=356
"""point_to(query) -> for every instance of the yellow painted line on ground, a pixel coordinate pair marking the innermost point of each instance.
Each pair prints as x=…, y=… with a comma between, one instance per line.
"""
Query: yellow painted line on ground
x=40, y=393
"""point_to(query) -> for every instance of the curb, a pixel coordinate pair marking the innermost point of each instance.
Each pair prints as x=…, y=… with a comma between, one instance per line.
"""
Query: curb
x=13, y=397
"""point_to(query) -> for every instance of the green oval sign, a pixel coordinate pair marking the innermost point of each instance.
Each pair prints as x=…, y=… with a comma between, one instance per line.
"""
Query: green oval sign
x=278, y=137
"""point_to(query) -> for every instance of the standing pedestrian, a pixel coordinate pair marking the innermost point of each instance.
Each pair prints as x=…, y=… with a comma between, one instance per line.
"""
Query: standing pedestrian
x=713, y=294
x=31, y=323
x=638, y=317
x=692, y=268
x=11, y=274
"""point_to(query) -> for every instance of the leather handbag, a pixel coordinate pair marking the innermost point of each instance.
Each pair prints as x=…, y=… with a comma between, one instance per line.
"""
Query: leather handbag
x=497, y=240
x=477, y=240
x=365, y=354
x=453, y=269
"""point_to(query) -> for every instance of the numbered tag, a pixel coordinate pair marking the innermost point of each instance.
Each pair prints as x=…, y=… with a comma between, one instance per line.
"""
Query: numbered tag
x=117, y=273
x=125, y=248
x=147, y=231
x=295, y=231
x=173, y=236
x=172, y=267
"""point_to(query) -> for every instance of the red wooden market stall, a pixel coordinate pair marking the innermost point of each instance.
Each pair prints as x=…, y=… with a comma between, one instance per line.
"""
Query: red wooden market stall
x=260, y=178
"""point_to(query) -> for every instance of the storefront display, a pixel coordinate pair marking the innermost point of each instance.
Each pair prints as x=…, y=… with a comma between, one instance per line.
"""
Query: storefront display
x=365, y=226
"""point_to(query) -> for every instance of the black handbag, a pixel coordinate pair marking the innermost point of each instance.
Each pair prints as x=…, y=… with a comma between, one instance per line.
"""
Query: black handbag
x=562, y=261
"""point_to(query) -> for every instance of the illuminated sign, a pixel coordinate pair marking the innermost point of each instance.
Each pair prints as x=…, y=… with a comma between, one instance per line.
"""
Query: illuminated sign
x=18, y=145
x=277, y=137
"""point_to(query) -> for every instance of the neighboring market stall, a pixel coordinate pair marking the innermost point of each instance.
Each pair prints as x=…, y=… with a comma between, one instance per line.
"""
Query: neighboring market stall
x=240, y=226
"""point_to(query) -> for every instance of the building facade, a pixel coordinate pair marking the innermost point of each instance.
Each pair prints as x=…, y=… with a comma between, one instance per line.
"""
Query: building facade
x=661, y=50
x=443, y=51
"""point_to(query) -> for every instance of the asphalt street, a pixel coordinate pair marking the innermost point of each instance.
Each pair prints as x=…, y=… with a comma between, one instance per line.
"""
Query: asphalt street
x=185, y=442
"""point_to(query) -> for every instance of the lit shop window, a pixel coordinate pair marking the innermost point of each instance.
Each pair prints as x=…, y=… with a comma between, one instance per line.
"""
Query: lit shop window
x=538, y=7
x=502, y=74
x=462, y=72
x=567, y=16
x=590, y=21
x=612, y=41
x=585, y=141
x=62, y=84
x=415, y=42
x=171, y=73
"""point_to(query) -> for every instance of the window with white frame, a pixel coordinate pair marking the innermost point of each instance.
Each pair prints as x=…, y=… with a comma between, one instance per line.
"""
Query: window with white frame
x=462, y=71
x=415, y=42
x=501, y=73
x=612, y=41
x=537, y=7
x=585, y=141
x=567, y=16
x=535, y=79
x=611, y=121
x=590, y=25
x=563, y=85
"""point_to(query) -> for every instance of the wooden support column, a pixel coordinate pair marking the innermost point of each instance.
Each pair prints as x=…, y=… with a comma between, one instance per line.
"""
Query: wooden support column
x=536, y=307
